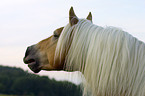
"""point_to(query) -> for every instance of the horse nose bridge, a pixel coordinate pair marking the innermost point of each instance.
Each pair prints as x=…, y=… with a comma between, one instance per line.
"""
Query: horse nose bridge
x=28, y=51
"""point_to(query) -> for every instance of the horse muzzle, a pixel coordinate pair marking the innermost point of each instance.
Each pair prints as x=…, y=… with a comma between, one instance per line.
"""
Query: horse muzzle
x=32, y=59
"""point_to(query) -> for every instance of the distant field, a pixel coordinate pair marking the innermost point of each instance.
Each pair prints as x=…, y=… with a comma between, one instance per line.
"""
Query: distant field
x=7, y=95
x=13, y=95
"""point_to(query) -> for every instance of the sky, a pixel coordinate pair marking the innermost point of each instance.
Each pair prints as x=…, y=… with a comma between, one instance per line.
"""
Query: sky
x=26, y=22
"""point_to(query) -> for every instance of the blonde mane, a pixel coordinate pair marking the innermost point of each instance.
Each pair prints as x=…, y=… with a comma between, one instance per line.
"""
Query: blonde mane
x=111, y=60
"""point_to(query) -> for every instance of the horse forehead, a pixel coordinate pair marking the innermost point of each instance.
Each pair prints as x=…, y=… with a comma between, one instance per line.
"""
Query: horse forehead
x=44, y=41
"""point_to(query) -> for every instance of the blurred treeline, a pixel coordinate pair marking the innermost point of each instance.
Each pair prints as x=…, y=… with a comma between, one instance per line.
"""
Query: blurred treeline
x=18, y=82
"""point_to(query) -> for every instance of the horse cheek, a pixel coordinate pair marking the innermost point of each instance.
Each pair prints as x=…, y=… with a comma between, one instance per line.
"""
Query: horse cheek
x=50, y=55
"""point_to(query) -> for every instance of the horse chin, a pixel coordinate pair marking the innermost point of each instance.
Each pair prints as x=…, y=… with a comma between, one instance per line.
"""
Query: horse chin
x=34, y=66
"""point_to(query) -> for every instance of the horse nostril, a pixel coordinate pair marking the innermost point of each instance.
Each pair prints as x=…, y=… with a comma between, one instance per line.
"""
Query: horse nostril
x=27, y=61
x=31, y=60
x=30, y=55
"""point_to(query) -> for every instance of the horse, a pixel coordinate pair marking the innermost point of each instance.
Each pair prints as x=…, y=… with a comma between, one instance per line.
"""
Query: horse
x=111, y=60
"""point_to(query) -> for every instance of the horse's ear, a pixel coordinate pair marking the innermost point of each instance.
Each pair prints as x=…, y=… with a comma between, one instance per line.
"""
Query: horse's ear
x=73, y=19
x=89, y=17
x=59, y=30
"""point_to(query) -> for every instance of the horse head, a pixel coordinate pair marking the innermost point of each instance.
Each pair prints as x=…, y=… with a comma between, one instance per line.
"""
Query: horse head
x=41, y=56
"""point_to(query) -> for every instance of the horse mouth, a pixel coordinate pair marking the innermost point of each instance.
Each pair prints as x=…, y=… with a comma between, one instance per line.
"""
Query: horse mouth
x=33, y=64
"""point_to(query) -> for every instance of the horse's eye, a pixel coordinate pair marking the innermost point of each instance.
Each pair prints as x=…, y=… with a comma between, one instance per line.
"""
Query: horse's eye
x=56, y=36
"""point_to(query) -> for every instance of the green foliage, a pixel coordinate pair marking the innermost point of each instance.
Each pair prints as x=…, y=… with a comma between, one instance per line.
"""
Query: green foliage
x=17, y=81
